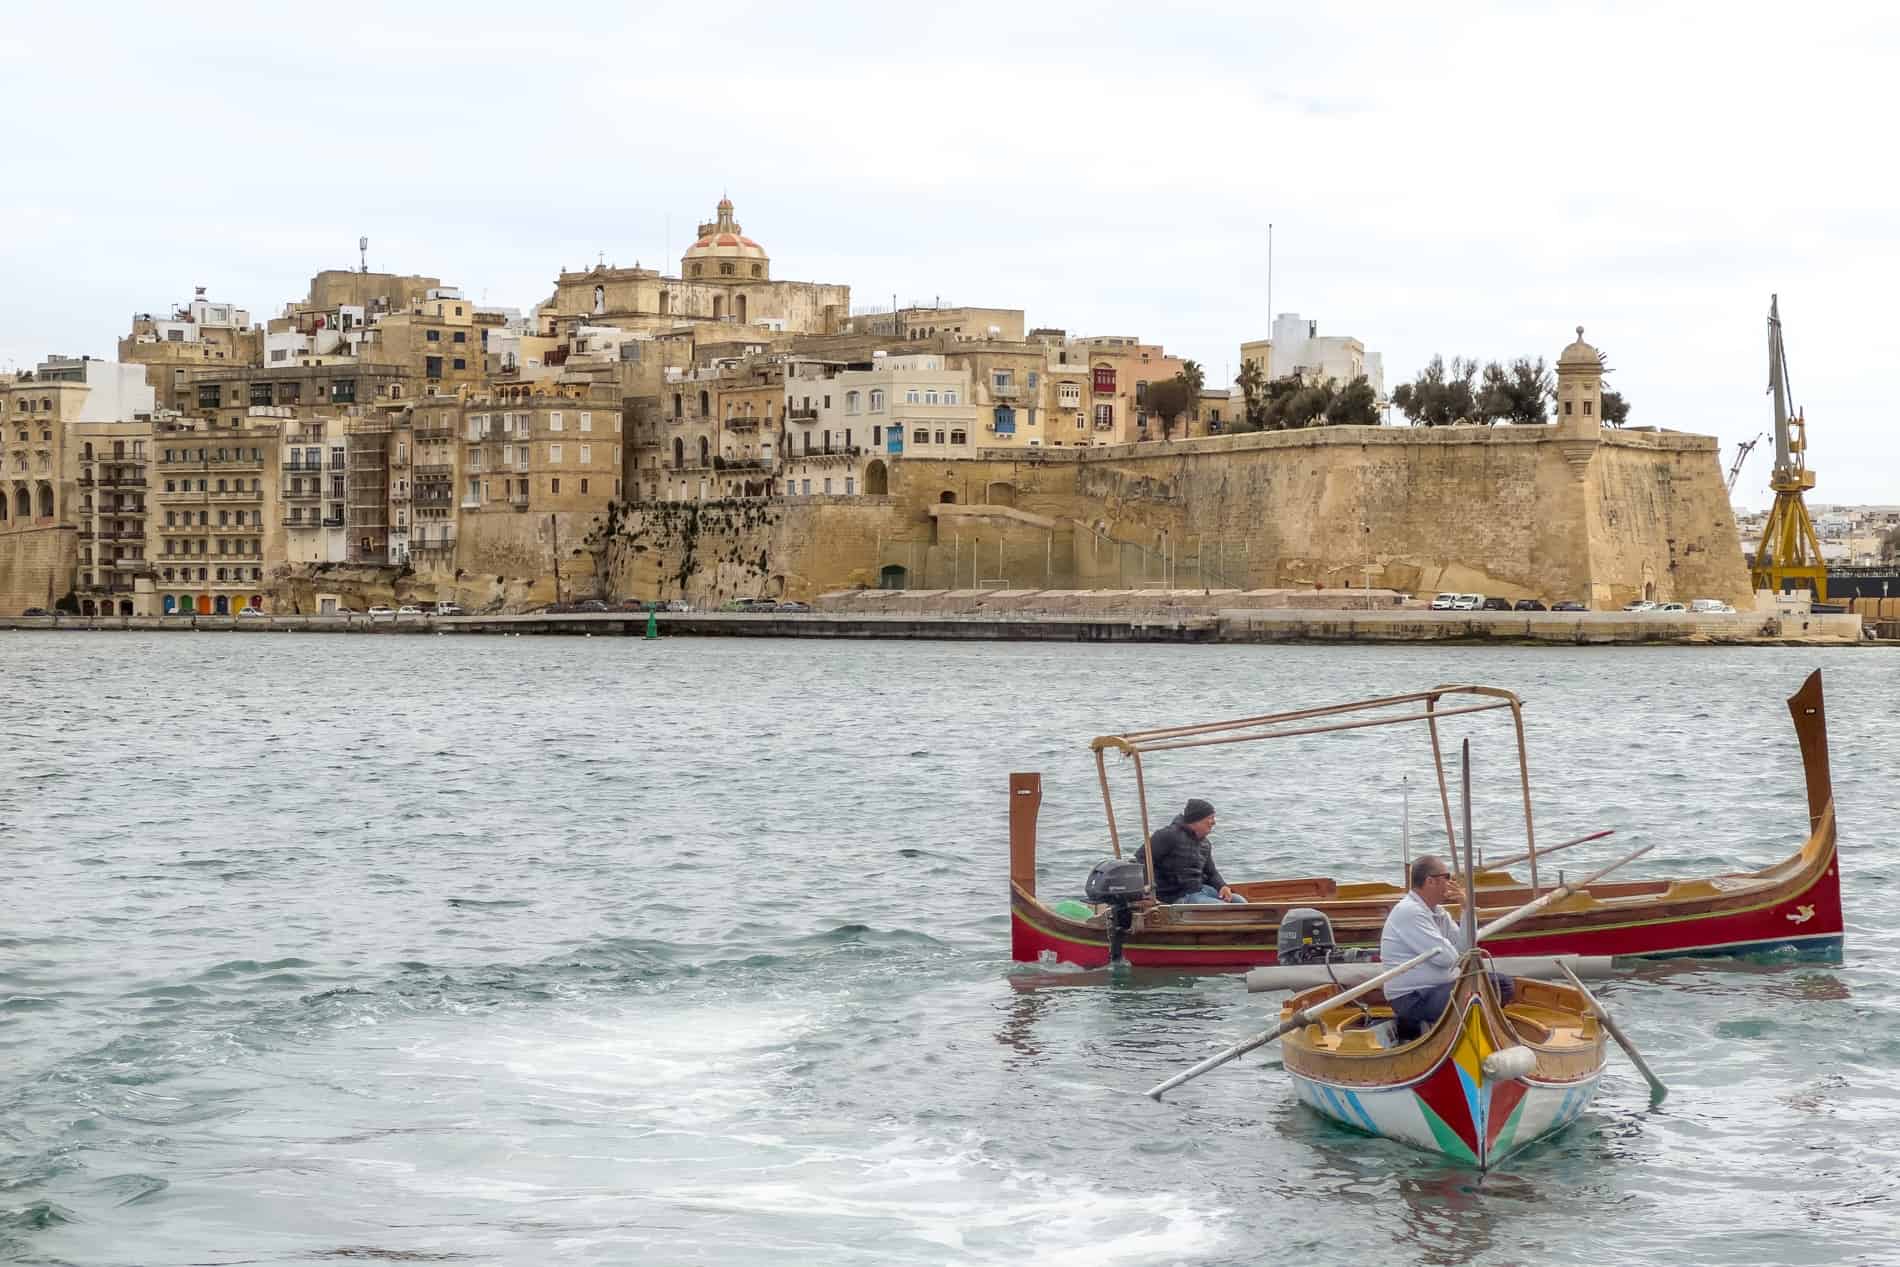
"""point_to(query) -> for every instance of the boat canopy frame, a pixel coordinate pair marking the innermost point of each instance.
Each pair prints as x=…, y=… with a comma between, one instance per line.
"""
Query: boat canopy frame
x=1137, y=744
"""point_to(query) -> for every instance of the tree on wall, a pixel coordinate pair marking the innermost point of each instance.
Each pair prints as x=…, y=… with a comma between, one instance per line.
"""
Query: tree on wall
x=1515, y=393
x=1616, y=410
x=1168, y=400
x=1253, y=398
x=1442, y=394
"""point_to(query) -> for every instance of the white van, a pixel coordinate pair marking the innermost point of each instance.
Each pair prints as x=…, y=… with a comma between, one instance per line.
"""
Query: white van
x=1443, y=602
x=1467, y=602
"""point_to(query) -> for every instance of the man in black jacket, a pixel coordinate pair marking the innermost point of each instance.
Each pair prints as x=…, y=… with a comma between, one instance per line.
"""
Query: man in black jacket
x=1184, y=861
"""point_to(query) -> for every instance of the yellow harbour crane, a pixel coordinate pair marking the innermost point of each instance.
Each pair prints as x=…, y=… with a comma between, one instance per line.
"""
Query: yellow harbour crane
x=1789, y=554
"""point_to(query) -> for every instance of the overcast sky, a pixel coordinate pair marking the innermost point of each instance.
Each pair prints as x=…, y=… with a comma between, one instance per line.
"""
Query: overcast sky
x=1463, y=179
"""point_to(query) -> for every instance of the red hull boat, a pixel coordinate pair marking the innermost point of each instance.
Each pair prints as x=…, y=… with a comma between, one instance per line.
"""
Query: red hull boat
x=1794, y=904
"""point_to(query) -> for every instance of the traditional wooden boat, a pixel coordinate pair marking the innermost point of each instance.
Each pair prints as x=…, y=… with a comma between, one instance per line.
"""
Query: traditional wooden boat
x=1794, y=904
x=1486, y=1080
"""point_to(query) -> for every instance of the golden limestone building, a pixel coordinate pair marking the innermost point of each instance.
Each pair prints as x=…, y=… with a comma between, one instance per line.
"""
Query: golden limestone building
x=722, y=433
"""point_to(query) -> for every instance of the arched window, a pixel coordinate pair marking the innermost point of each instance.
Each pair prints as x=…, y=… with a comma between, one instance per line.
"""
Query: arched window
x=679, y=453
x=758, y=270
x=877, y=400
x=705, y=456
x=23, y=503
x=851, y=402
x=739, y=308
x=705, y=404
x=719, y=308
x=46, y=501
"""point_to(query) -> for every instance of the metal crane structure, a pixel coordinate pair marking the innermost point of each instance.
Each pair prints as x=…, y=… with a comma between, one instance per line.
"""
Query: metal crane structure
x=1742, y=451
x=1789, y=554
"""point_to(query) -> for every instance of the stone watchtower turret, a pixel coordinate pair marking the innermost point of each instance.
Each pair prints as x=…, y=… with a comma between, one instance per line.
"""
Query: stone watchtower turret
x=1580, y=389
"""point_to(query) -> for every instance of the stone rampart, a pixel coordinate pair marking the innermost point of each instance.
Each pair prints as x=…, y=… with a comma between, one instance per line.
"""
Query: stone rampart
x=1512, y=512
x=36, y=566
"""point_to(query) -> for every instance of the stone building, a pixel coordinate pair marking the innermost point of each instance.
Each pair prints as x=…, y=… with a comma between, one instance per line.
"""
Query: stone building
x=203, y=334
x=311, y=494
x=212, y=495
x=725, y=278
x=1120, y=369
x=114, y=576
x=1298, y=348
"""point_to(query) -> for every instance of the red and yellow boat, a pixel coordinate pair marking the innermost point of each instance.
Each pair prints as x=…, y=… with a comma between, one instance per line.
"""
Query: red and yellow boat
x=1794, y=904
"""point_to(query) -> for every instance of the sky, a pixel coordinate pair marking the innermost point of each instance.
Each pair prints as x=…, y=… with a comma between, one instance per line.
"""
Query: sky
x=1464, y=179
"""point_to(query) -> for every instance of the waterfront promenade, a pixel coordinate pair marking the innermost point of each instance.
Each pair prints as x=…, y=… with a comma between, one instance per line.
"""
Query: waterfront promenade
x=1281, y=625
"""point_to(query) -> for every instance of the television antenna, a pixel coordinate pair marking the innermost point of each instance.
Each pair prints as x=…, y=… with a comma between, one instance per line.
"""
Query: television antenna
x=362, y=246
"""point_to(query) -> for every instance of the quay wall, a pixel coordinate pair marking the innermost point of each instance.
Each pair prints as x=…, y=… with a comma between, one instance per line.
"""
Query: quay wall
x=37, y=564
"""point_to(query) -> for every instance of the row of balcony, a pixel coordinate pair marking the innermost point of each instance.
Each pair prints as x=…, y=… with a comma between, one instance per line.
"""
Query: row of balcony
x=311, y=521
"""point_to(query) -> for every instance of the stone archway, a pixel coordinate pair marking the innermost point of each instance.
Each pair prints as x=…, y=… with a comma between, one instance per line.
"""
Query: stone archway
x=947, y=498
x=125, y=607
x=187, y=606
x=893, y=576
x=1000, y=493
x=86, y=607
x=877, y=477
x=222, y=607
x=22, y=503
x=171, y=605
x=46, y=501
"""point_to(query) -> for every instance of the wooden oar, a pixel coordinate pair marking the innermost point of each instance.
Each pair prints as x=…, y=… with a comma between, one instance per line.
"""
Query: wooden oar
x=1307, y=1015
x=1657, y=1091
x=1516, y=858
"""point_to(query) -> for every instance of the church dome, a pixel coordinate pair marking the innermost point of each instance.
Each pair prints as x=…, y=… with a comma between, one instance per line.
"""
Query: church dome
x=724, y=251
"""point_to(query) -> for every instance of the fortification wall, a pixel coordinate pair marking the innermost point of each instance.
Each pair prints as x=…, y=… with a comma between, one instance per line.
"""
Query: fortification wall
x=1515, y=512
x=36, y=566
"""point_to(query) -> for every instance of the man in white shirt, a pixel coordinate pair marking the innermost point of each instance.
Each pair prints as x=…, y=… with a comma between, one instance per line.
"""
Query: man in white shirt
x=1418, y=923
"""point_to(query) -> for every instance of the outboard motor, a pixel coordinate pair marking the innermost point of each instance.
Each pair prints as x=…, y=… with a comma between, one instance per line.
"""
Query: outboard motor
x=1119, y=884
x=1306, y=937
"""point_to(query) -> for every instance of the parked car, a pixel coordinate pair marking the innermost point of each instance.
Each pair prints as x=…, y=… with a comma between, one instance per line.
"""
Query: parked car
x=1443, y=602
x=1495, y=605
x=677, y=605
x=36, y=611
x=1528, y=605
x=1710, y=605
x=252, y=612
x=375, y=612
x=449, y=609
x=1640, y=605
x=1672, y=608
x=1467, y=602
x=590, y=605
x=794, y=607
x=1569, y=605
x=408, y=610
x=749, y=605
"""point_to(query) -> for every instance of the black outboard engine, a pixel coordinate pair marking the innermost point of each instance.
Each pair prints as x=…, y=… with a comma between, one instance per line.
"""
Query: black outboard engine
x=1119, y=884
x=1306, y=937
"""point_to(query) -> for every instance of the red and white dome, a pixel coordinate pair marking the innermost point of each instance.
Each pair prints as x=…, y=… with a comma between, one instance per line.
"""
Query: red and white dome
x=722, y=240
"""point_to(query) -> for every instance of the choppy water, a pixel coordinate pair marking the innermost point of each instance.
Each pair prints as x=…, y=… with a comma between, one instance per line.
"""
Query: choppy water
x=322, y=950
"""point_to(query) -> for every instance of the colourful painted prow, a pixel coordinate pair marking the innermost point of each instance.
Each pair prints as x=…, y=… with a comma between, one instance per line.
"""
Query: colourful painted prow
x=1486, y=1080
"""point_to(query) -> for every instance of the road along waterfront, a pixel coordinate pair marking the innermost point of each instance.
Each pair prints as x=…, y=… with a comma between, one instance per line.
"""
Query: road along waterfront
x=697, y=950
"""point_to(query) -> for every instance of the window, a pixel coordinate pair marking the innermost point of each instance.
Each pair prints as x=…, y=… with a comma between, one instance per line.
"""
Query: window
x=877, y=400
x=725, y=268
x=957, y=437
x=1069, y=395
x=1586, y=409
x=1104, y=377
x=587, y=454
x=461, y=336
x=827, y=402
x=343, y=390
x=808, y=488
x=1566, y=406
x=1002, y=380
x=949, y=395
x=791, y=488
x=877, y=436
x=277, y=354
x=583, y=488
x=432, y=366
x=554, y=484
x=851, y=402
x=939, y=437
x=587, y=423
x=758, y=270
x=555, y=422
x=850, y=485
x=554, y=453
x=616, y=424
x=1104, y=417
x=827, y=486
x=460, y=363
x=433, y=336
x=930, y=396
x=910, y=395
